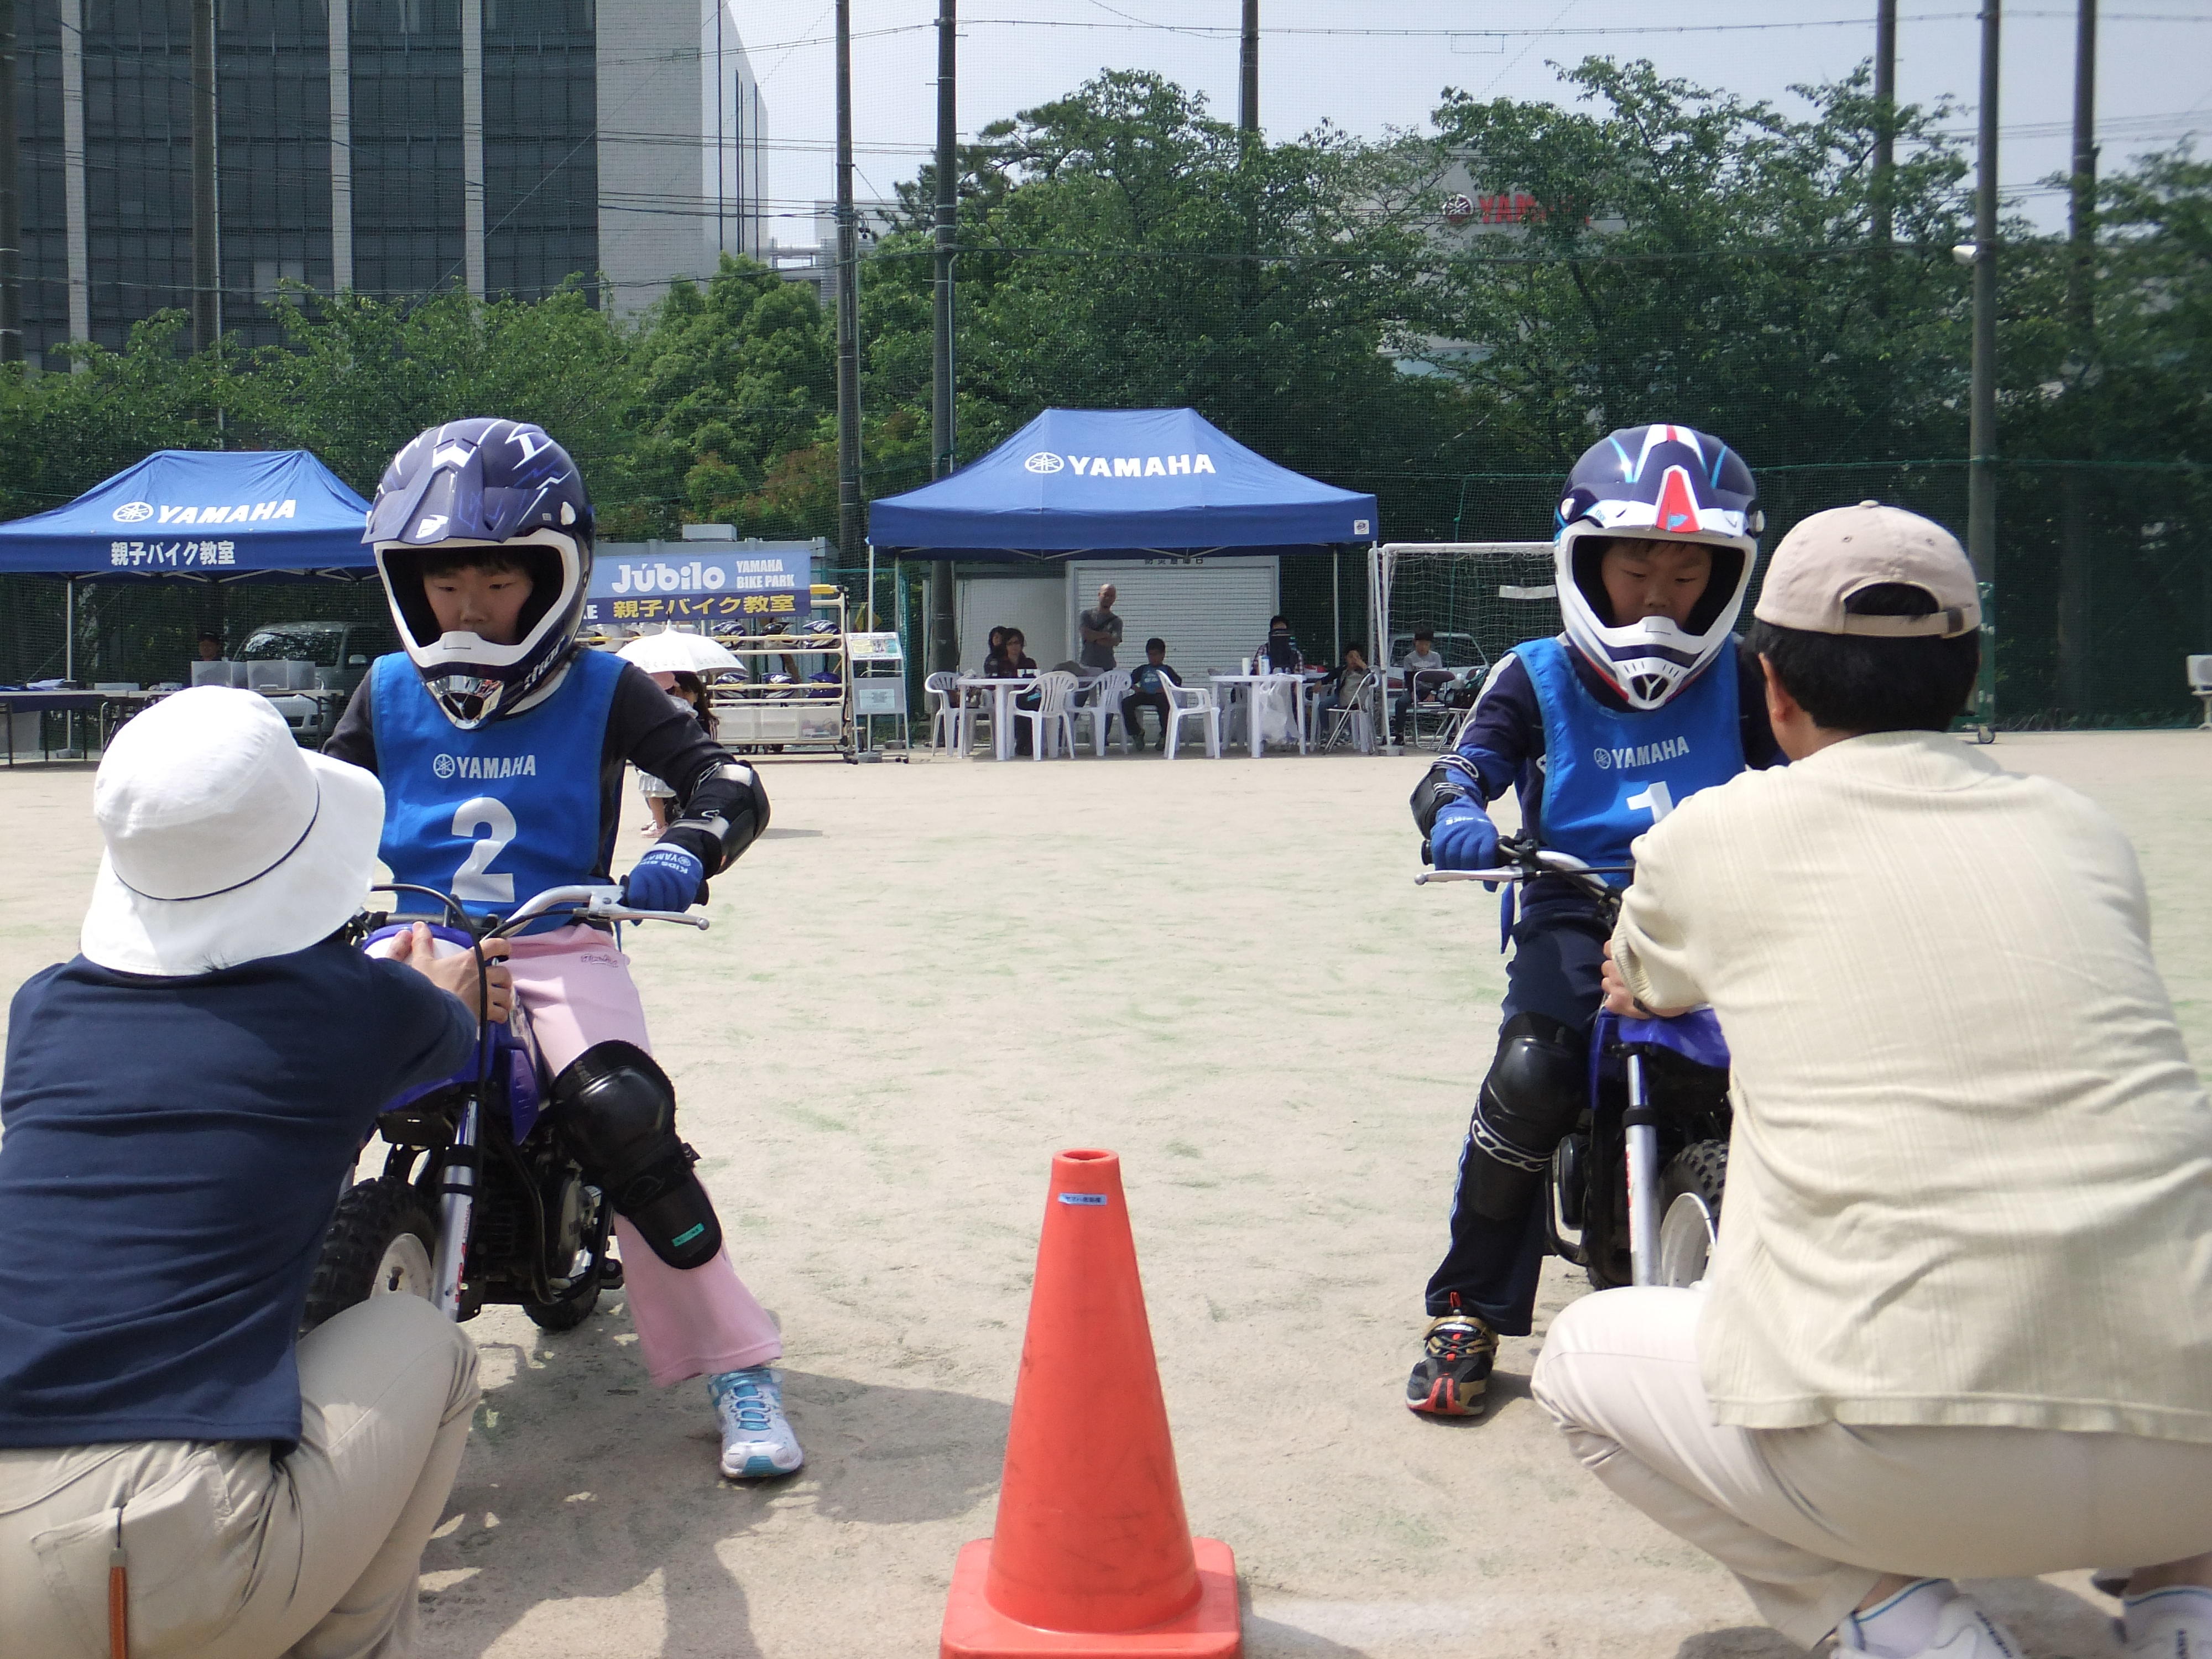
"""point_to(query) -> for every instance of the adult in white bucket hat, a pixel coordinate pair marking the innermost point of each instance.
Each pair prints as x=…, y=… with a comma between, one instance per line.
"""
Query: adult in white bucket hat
x=226, y=841
x=182, y=1103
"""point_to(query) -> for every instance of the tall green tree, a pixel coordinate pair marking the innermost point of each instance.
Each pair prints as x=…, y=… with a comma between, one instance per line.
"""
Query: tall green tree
x=1696, y=257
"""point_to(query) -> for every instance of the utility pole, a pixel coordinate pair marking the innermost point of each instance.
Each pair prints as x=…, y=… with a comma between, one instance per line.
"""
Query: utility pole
x=1982, y=425
x=848, y=308
x=1248, y=77
x=207, y=293
x=2081, y=323
x=11, y=201
x=1885, y=131
x=943, y=650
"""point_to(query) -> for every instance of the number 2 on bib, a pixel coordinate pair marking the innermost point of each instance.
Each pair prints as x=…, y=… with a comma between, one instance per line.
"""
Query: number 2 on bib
x=1655, y=798
x=474, y=879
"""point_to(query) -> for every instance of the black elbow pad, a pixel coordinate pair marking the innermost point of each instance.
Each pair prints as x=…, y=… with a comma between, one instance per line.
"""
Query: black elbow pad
x=1451, y=779
x=717, y=838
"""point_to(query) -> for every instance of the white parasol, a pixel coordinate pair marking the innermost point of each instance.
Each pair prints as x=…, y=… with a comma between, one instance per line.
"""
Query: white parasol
x=671, y=653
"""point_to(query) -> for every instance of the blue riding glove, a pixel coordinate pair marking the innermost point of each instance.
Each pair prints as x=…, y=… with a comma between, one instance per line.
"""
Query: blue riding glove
x=667, y=878
x=1462, y=837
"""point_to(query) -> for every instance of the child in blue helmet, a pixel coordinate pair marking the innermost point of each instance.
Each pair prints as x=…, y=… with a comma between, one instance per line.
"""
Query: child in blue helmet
x=501, y=743
x=1644, y=698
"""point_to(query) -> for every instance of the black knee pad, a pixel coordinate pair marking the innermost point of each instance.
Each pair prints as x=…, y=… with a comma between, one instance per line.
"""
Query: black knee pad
x=619, y=1110
x=1537, y=1089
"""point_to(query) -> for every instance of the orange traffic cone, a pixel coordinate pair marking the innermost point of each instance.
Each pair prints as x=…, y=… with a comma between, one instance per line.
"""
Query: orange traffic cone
x=1092, y=1554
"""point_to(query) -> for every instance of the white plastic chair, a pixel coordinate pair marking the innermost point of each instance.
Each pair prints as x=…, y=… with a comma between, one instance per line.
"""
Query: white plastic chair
x=2200, y=686
x=1187, y=703
x=1055, y=695
x=1105, y=705
x=943, y=692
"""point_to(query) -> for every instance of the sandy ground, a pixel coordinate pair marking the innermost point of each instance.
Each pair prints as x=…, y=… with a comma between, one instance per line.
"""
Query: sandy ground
x=926, y=980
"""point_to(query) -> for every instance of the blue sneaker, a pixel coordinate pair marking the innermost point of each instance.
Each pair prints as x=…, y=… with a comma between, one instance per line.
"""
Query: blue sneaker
x=757, y=1444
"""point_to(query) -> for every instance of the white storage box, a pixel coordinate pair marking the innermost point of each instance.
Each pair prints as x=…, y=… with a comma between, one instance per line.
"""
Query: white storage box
x=280, y=675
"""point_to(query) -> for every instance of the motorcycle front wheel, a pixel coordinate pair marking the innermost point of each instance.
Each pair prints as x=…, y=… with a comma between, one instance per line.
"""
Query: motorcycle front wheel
x=380, y=1242
x=1690, y=1193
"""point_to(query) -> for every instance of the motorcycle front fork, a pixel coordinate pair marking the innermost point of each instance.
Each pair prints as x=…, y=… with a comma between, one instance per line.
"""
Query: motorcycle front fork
x=1642, y=1125
x=457, y=1203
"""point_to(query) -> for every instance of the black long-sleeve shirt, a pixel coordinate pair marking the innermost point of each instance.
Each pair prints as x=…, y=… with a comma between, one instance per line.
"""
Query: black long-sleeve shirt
x=646, y=728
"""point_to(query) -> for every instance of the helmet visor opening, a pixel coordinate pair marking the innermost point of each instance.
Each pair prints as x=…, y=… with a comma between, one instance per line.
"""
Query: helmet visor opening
x=409, y=568
x=1726, y=572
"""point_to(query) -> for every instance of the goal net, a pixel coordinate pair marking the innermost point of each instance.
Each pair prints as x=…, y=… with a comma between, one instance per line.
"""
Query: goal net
x=1480, y=598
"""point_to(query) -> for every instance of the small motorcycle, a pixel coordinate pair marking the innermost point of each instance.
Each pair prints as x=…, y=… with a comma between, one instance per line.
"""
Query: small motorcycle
x=1634, y=1191
x=481, y=1197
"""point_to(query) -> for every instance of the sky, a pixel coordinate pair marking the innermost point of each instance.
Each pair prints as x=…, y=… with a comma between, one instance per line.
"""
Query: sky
x=1368, y=66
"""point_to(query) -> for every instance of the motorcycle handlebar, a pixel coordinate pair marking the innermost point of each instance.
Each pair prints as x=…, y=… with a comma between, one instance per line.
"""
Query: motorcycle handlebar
x=1531, y=862
x=592, y=904
x=589, y=904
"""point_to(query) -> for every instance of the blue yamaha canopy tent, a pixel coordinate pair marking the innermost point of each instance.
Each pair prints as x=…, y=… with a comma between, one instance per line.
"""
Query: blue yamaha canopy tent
x=203, y=515
x=1119, y=482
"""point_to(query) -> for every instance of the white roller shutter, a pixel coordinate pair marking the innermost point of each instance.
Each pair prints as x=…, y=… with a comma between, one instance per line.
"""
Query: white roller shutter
x=1213, y=612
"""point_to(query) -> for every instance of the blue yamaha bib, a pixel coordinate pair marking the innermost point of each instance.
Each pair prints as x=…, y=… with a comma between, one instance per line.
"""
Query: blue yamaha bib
x=495, y=816
x=1611, y=774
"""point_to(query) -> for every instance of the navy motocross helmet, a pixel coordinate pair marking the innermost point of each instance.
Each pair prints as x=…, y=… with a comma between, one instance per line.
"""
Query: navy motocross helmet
x=1666, y=484
x=464, y=487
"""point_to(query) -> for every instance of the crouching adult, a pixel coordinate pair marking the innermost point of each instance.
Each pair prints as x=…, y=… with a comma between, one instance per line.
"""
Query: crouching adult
x=1958, y=1321
x=182, y=1104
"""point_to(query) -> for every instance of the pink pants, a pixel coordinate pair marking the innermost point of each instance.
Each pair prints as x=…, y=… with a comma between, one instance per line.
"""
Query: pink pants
x=696, y=1322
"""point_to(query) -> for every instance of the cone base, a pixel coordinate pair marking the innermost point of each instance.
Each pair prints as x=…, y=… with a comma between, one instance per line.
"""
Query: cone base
x=1212, y=1629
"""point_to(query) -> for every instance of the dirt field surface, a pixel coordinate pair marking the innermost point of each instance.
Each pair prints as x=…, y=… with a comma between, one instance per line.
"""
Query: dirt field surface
x=922, y=982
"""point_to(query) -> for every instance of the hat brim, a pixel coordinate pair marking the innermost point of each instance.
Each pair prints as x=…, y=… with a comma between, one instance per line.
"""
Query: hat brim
x=305, y=898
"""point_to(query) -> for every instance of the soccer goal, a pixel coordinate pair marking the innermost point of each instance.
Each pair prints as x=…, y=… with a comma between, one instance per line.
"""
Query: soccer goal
x=1479, y=599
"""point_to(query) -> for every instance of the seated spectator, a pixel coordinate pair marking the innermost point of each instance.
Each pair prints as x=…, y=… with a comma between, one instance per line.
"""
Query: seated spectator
x=1011, y=662
x=1148, y=688
x=1280, y=650
x=162, y=1202
x=1959, y=1320
x=210, y=645
x=1424, y=671
x=991, y=649
x=1337, y=687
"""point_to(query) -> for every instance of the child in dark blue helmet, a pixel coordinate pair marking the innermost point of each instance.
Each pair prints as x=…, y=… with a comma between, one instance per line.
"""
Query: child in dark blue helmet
x=1644, y=697
x=501, y=743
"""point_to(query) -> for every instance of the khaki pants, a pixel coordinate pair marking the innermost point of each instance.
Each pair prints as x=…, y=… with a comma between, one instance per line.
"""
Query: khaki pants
x=1807, y=1519
x=231, y=1554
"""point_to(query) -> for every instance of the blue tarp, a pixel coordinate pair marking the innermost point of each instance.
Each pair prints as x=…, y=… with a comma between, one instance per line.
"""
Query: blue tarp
x=1124, y=482
x=212, y=515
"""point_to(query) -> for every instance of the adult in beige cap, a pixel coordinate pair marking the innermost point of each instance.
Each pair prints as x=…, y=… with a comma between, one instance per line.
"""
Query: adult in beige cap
x=182, y=1103
x=1959, y=1323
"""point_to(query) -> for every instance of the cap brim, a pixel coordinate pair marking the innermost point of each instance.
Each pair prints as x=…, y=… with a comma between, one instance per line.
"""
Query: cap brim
x=306, y=899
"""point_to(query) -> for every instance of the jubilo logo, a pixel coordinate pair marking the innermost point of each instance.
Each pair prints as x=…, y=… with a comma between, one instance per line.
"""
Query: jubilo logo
x=1121, y=466
x=244, y=513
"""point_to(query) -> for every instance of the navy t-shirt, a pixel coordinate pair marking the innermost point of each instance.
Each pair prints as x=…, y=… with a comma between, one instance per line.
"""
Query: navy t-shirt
x=170, y=1153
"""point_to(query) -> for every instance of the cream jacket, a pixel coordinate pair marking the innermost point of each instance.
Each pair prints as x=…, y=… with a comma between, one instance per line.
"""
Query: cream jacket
x=1971, y=1181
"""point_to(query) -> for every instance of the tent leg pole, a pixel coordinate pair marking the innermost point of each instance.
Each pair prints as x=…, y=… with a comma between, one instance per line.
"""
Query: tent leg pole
x=1335, y=598
x=69, y=628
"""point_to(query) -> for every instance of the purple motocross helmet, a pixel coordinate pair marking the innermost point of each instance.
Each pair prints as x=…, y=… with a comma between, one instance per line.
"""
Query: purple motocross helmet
x=475, y=484
x=1665, y=483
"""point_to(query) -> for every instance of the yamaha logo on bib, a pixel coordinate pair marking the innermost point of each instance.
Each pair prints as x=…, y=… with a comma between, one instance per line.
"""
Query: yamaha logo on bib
x=1646, y=754
x=484, y=766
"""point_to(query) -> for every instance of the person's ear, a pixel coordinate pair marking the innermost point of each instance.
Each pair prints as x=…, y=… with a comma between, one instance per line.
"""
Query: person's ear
x=1781, y=706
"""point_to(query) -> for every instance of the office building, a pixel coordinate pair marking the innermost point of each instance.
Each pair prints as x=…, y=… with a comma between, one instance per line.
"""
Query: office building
x=393, y=147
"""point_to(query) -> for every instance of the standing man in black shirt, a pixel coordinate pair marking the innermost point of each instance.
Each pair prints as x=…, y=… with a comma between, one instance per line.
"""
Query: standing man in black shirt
x=1101, y=630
